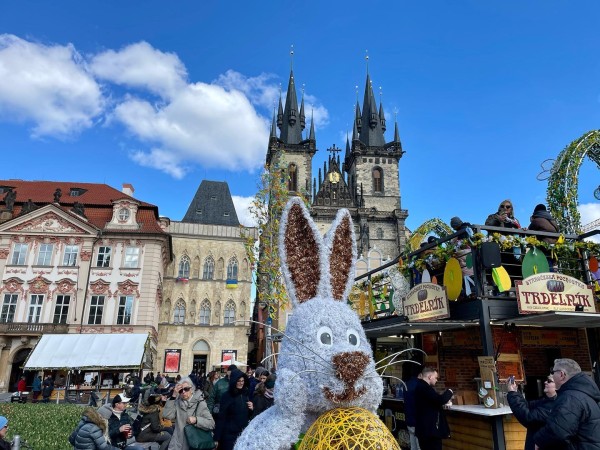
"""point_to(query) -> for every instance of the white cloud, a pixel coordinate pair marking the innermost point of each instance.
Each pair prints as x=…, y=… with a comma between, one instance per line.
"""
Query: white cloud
x=264, y=92
x=242, y=208
x=48, y=86
x=161, y=160
x=142, y=66
x=589, y=213
x=203, y=124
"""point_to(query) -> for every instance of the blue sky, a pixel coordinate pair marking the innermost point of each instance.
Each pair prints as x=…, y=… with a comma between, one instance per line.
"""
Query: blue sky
x=162, y=95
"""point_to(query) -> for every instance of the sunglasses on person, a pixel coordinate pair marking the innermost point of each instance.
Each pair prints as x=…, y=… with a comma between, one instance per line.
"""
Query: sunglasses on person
x=553, y=371
x=186, y=389
x=506, y=206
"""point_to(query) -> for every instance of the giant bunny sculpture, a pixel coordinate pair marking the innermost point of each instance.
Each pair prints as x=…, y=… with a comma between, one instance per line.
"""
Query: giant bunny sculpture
x=325, y=359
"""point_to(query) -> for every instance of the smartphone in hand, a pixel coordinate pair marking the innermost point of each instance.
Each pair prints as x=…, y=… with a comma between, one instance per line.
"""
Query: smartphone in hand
x=511, y=379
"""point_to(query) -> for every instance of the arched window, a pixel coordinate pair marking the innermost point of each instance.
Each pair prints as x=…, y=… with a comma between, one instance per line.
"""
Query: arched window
x=232, y=269
x=292, y=178
x=229, y=313
x=377, y=180
x=209, y=269
x=184, y=268
x=179, y=313
x=379, y=233
x=205, y=312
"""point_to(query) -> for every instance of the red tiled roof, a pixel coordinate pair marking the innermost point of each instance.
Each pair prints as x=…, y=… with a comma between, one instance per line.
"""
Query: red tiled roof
x=97, y=200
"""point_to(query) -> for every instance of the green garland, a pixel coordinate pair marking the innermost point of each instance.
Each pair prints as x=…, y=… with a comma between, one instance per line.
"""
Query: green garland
x=561, y=193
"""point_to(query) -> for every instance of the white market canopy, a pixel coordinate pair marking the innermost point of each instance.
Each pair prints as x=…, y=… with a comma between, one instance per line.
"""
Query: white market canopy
x=88, y=351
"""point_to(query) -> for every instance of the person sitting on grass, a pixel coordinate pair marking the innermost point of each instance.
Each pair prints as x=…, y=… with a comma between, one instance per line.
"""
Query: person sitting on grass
x=91, y=432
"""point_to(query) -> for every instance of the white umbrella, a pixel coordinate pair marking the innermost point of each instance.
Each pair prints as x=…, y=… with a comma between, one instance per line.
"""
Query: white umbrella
x=230, y=362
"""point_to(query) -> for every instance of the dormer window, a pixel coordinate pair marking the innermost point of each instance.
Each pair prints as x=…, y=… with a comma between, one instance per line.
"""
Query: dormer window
x=226, y=214
x=76, y=192
x=124, y=215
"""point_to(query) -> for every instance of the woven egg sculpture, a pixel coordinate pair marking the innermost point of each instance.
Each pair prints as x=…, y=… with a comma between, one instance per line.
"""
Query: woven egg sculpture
x=351, y=428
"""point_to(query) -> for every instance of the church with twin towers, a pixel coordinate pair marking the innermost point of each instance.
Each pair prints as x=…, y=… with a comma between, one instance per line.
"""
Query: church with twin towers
x=364, y=178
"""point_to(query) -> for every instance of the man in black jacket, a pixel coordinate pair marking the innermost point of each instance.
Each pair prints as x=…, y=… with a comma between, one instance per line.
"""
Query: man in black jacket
x=575, y=418
x=431, y=425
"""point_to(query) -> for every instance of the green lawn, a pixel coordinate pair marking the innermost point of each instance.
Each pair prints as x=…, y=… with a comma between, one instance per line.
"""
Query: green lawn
x=45, y=426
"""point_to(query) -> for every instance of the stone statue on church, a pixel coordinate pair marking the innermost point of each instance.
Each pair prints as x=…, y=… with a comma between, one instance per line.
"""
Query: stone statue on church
x=78, y=209
x=28, y=207
x=9, y=200
x=57, y=195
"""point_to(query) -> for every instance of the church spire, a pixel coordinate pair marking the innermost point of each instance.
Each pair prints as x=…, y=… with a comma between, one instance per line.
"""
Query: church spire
x=273, y=126
x=371, y=133
x=355, y=132
x=291, y=129
x=381, y=113
x=302, y=117
x=311, y=135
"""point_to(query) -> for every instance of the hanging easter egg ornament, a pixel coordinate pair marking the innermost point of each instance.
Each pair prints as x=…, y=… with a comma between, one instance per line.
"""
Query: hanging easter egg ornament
x=453, y=278
x=593, y=264
x=501, y=278
x=534, y=262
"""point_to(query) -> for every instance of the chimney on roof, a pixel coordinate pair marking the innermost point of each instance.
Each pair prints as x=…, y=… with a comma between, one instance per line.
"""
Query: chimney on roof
x=128, y=189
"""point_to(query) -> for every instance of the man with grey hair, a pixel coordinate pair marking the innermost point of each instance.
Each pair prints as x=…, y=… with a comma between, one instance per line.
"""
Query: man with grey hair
x=575, y=418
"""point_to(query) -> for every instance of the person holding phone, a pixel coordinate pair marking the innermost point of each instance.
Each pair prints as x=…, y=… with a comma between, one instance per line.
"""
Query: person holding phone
x=186, y=406
x=532, y=415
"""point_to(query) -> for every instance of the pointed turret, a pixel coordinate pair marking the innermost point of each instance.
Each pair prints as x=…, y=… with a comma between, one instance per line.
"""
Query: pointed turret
x=280, y=113
x=357, y=116
x=347, y=152
x=371, y=133
x=291, y=129
x=302, y=118
x=396, y=133
x=311, y=135
x=273, y=127
x=355, y=132
x=381, y=116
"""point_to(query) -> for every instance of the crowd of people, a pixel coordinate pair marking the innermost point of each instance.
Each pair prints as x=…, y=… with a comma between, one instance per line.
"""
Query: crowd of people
x=567, y=417
x=222, y=406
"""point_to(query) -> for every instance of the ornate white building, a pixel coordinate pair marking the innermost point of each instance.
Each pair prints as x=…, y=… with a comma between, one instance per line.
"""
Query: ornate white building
x=76, y=258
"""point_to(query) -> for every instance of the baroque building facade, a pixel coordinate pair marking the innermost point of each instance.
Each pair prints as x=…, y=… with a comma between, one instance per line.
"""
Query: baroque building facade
x=76, y=258
x=207, y=287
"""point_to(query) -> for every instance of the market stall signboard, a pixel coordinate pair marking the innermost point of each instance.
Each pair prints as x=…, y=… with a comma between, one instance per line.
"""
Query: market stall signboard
x=549, y=338
x=172, y=360
x=553, y=292
x=426, y=301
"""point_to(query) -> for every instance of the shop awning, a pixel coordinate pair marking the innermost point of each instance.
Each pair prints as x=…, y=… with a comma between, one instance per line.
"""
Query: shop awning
x=375, y=330
x=88, y=352
x=557, y=319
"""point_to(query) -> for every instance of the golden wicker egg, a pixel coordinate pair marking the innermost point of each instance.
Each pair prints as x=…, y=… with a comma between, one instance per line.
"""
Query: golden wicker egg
x=348, y=429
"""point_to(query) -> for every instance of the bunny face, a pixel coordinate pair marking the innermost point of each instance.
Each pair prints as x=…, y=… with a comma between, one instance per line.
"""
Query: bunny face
x=329, y=352
x=325, y=344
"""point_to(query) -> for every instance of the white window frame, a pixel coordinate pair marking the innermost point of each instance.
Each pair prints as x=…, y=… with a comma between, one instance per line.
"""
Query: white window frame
x=70, y=255
x=125, y=310
x=19, y=256
x=34, y=311
x=132, y=257
x=104, y=256
x=98, y=308
x=9, y=308
x=61, y=309
x=45, y=255
x=184, y=267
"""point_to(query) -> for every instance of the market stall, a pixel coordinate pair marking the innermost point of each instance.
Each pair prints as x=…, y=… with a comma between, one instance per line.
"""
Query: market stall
x=101, y=353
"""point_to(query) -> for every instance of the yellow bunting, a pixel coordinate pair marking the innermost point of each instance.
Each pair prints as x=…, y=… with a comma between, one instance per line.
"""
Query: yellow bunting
x=348, y=428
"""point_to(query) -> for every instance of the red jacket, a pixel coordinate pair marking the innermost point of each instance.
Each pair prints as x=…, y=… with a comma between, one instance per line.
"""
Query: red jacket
x=22, y=385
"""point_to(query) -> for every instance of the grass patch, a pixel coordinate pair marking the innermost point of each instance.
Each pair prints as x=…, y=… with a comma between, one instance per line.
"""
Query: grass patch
x=45, y=426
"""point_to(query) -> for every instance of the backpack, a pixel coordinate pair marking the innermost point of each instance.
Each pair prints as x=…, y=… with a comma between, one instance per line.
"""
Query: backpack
x=136, y=426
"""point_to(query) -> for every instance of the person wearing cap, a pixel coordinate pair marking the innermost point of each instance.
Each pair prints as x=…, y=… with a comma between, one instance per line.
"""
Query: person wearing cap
x=152, y=429
x=4, y=445
x=219, y=389
x=186, y=406
x=90, y=432
x=119, y=423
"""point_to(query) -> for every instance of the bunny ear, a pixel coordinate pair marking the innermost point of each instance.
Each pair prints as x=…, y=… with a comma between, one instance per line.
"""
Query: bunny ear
x=341, y=247
x=299, y=245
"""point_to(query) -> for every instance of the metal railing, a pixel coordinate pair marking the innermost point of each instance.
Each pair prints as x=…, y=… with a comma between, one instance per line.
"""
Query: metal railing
x=33, y=328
